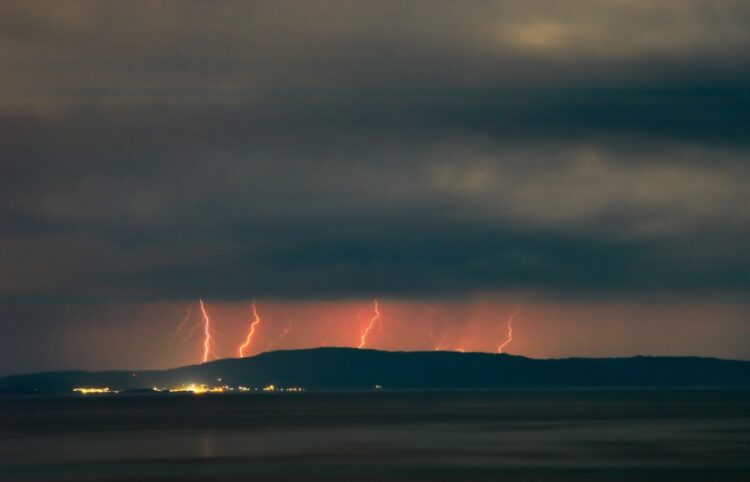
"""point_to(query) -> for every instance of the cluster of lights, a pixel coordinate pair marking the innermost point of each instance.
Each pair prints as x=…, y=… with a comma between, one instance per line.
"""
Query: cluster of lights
x=197, y=389
x=272, y=388
x=90, y=390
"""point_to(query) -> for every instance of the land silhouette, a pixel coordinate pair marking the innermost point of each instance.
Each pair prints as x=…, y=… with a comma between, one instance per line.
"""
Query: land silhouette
x=354, y=369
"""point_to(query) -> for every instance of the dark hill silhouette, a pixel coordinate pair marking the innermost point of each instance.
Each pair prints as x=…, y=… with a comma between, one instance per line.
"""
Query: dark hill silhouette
x=352, y=369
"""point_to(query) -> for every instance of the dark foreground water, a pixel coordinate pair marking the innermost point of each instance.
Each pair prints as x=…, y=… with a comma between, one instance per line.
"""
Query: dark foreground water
x=680, y=435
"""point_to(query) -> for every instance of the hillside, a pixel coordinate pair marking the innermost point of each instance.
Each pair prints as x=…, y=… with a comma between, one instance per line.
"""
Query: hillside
x=352, y=369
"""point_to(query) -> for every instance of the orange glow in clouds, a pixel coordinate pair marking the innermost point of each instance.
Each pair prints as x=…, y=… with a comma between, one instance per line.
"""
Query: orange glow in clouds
x=250, y=332
x=376, y=317
x=480, y=324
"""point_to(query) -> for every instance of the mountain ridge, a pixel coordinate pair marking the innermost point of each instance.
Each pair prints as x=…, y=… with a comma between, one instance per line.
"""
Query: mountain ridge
x=355, y=369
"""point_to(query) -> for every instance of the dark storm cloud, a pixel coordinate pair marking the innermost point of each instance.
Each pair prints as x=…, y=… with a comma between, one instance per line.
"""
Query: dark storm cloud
x=176, y=149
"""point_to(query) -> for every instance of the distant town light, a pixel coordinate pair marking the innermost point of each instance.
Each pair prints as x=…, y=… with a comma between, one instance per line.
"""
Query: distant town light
x=90, y=390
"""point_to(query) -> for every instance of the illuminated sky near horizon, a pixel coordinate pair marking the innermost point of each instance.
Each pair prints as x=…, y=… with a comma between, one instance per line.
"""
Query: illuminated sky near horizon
x=586, y=158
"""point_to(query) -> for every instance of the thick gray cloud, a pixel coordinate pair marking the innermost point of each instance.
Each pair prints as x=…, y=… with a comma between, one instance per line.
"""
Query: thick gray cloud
x=166, y=150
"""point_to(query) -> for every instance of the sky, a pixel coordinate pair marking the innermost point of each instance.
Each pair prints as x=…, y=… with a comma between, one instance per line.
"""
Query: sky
x=584, y=161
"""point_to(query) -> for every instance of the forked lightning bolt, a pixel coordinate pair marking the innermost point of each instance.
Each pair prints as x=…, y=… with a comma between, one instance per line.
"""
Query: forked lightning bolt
x=250, y=332
x=207, y=340
x=376, y=317
x=510, y=330
x=179, y=332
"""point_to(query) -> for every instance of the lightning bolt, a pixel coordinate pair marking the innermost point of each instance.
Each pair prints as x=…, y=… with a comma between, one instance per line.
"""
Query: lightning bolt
x=376, y=317
x=207, y=340
x=434, y=331
x=284, y=333
x=182, y=323
x=250, y=332
x=510, y=330
x=181, y=328
x=190, y=333
x=178, y=331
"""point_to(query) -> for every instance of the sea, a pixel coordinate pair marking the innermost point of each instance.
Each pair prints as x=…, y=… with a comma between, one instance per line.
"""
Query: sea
x=513, y=435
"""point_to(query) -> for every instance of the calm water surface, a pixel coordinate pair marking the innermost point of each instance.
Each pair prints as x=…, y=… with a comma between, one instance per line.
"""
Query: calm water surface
x=516, y=435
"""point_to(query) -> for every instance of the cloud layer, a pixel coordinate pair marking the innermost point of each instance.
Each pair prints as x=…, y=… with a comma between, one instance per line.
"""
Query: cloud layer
x=167, y=150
